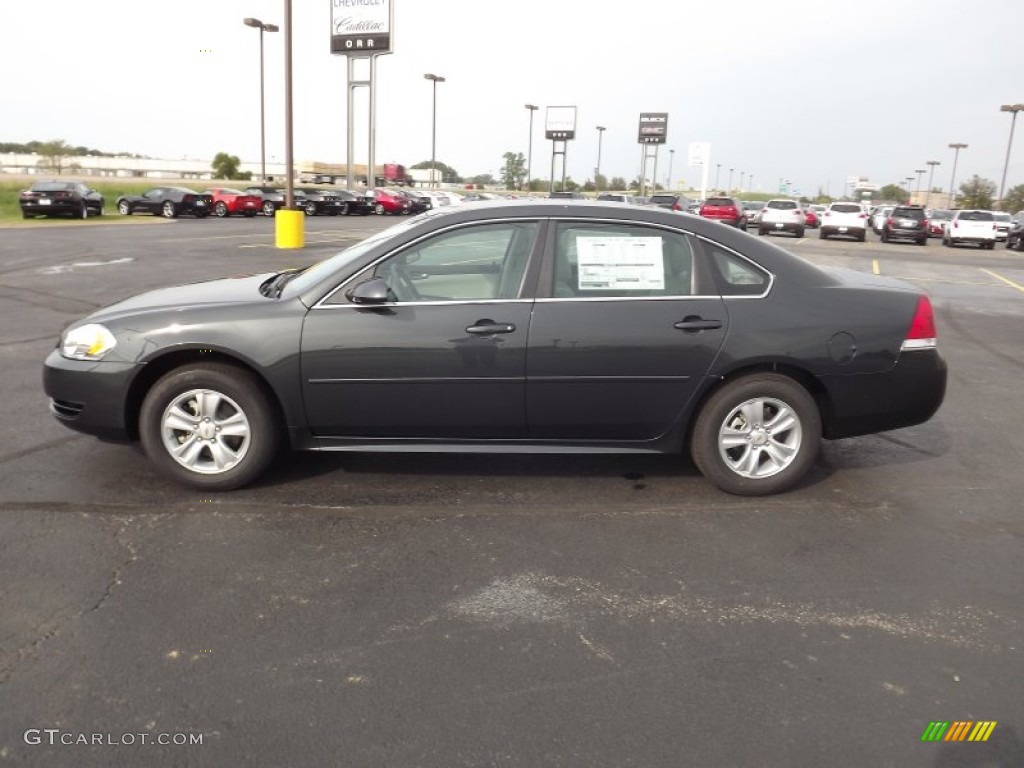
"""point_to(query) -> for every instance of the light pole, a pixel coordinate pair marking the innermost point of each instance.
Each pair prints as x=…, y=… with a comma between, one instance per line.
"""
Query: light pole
x=730, y=179
x=1014, y=108
x=952, y=179
x=718, y=172
x=250, y=22
x=907, y=181
x=671, y=158
x=435, y=79
x=597, y=170
x=750, y=183
x=931, y=173
x=742, y=174
x=529, y=145
x=917, y=195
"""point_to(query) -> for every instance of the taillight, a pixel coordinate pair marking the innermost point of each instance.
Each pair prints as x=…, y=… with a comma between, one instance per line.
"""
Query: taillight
x=676, y=207
x=921, y=334
x=889, y=221
x=955, y=223
x=862, y=216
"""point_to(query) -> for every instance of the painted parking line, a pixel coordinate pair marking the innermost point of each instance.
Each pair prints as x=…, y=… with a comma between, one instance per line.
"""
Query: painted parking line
x=1006, y=280
x=942, y=280
x=875, y=268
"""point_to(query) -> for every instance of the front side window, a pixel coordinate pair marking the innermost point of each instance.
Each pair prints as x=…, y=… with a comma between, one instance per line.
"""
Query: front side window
x=475, y=263
x=621, y=260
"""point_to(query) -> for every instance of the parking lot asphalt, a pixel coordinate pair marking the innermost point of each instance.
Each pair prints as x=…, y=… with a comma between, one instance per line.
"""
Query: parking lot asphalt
x=473, y=610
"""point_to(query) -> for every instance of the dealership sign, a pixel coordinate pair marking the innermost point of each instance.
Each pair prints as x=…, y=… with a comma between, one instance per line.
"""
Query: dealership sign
x=361, y=26
x=653, y=127
x=699, y=153
x=560, y=123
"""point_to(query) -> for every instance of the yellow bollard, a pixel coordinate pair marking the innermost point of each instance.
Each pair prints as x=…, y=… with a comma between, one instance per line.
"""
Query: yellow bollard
x=288, y=229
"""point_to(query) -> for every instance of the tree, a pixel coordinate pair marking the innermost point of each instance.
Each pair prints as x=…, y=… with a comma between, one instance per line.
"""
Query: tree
x=892, y=192
x=225, y=166
x=977, y=192
x=448, y=174
x=514, y=170
x=617, y=183
x=53, y=154
x=1013, y=201
x=601, y=182
x=482, y=180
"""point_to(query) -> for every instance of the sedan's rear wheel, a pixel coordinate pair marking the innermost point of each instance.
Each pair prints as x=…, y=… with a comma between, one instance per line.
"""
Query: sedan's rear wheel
x=124, y=208
x=210, y=426
x=168, y=211
x=83, y=211
x=268, y=208
x=379, y=209
x=220, y=209
x=757, y=435
x=310, y=209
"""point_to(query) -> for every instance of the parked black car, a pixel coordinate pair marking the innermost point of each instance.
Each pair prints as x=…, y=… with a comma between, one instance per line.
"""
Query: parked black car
x=324, y=202
x=169, y=202
x=906, y=222
x=547, y=326
x=417, y=203
x=274, y=197
x=1015, y=237
x=60, y=198
x=356, y=204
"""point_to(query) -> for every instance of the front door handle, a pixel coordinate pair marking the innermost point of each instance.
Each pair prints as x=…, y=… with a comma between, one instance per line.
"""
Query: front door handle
x=489, y=328
x=693, y=323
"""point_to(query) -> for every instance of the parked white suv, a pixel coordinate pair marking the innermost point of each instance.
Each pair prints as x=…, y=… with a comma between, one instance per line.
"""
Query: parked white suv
x=969, y=226
x=782, y=216
x=847, y=219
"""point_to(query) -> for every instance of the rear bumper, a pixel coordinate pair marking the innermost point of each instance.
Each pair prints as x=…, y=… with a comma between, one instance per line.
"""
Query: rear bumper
x=909, y=393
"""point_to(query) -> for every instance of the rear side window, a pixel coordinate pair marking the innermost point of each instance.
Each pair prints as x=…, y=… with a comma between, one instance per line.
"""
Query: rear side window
x=782, y=205
x=734, y=275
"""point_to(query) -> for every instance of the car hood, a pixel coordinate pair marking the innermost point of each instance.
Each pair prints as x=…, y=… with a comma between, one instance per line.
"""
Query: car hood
x=233, y=290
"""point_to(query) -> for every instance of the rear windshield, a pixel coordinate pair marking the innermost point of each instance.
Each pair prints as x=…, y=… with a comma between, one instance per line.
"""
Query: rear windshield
x=719, y=201
x=782, y=205
x=941, y=215
x=51, y=186
x=976, y=216
x=908, y=213
x=1001, y=216
x=663, y=198
x=846, y=207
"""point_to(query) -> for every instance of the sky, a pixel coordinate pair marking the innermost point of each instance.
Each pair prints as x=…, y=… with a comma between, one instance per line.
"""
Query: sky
x=807, y=92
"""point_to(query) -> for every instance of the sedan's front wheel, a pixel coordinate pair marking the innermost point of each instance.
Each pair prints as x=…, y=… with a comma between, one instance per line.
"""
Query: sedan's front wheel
x=168, y=210
x=124, y=208
x=210, y=426
x=757, y=435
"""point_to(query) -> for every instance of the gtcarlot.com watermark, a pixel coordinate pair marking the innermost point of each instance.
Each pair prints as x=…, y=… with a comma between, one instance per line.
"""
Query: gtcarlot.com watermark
x=57, y=737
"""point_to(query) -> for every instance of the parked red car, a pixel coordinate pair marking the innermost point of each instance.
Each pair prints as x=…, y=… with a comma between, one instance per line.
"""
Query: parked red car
x=228, y=202
x=386, y=202
x=811, y=219
x=727, y=210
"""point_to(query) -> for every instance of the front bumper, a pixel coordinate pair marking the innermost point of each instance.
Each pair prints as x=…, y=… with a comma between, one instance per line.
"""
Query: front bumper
x=89, y=396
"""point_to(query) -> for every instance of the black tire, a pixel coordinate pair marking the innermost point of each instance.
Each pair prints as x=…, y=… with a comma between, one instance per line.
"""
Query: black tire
x=83, y=211
x=310, y=209
x=268, y=208
x=822, y=235
x=99, y=211
x=379, y=209
x=863, y=238
x=885, y=236
x=344, y=209
x=923, y=242
x=799, y=232
x=220, y=209
x=239, y=393
x=169, y=210
x=124, y=208
x=762, y=231
x=802, y=438
x=990, y=246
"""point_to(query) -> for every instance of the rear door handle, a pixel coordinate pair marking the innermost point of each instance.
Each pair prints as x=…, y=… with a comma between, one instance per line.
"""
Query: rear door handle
x=693, y=323
x=486, y=328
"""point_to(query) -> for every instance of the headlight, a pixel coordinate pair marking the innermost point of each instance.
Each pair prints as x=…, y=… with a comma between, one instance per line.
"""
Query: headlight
x=87, y=342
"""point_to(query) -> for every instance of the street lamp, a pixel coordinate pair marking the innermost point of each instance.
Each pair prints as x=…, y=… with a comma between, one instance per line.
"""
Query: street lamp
x=435, y=79
x=908, y=181
x=742, y=174
x=931, y=173
x=730, y=179
x=952, y=179
x=750, y=183
x=597, y=171
x=917, y=195
x=671, y=158
x=1014, y=108
x=250, y=22
x=718, y=171
x=529, y=151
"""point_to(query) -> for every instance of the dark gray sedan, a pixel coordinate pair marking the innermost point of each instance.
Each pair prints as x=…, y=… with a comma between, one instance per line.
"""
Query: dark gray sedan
x=535, y=326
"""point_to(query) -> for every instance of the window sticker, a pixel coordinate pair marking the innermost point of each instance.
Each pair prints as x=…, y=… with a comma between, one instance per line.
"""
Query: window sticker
x=620, y=263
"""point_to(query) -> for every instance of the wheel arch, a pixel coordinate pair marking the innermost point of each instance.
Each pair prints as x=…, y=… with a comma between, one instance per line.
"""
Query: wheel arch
x=788, y=369
x=155, y=369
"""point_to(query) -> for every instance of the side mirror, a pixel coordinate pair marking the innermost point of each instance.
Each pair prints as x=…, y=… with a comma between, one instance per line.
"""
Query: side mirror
x=372, y=291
